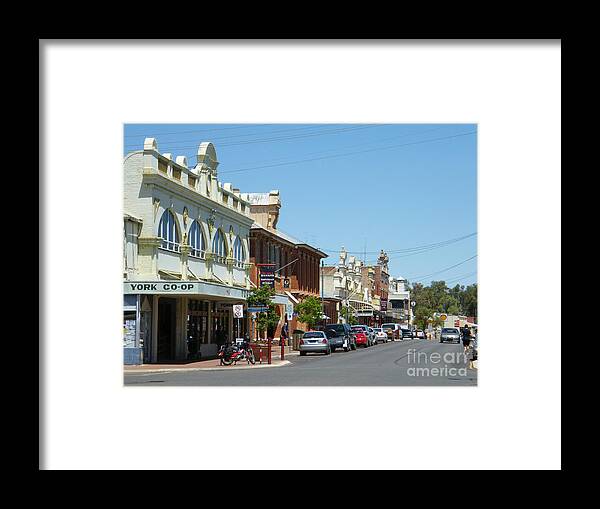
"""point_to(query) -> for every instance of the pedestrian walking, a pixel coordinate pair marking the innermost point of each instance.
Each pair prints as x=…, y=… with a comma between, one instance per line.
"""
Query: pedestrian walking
x=473, y=355
x=466, y=338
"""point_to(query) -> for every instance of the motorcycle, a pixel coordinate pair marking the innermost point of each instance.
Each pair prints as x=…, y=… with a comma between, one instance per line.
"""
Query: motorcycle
x=231, y=354
x=225, y=354
x=244, y=352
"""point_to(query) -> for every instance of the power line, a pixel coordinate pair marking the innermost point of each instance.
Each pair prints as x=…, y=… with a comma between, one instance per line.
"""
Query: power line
x=421, y=278
x=456, y=279
x=349, y=146
x=196, y=130
x=408, y=249
x=304, y=128
x=425, y=250
x=279, y=138
x=348, y=153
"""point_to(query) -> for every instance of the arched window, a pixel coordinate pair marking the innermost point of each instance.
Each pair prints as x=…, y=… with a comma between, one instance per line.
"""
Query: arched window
x=218, y=246
x=238, y=252
x=197, y=242
x=167, y=231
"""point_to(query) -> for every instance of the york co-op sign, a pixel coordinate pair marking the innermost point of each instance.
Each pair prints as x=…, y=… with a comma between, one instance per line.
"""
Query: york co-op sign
x=160, y=287
x=183, y=287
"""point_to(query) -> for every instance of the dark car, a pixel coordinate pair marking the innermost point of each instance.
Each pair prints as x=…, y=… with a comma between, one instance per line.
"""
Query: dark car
x=450, y=334
x=340, y=336
x=407, y=334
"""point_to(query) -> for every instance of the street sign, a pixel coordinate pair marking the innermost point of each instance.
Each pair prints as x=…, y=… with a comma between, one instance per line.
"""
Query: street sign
x=413, y=304
x=238, y=310
x=443, y=317
x=289, y=311
x=256, y=309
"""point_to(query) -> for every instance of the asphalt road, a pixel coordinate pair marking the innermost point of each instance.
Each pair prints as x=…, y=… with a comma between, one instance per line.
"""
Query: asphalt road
x=415, y=362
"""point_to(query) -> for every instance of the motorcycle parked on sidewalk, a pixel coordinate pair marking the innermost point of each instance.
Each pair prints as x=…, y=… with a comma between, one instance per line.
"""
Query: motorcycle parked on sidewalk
x=231, y=354
x=244, y=352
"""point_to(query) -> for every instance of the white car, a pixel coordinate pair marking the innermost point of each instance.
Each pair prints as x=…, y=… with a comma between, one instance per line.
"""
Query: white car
x=380, y=335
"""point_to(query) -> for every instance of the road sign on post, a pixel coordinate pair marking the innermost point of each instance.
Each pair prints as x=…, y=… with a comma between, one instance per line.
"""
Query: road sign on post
x=258, y=309
x=238, y=310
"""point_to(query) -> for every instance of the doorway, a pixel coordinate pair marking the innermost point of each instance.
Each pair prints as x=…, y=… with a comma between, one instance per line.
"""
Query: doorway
x=166, y=329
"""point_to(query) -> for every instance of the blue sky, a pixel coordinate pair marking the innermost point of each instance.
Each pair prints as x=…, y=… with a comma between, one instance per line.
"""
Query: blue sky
x=383, y=186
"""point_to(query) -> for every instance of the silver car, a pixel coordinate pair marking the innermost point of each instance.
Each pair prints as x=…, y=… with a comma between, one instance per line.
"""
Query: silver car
x=380, y=335
x=314, y=341
x=450, y=334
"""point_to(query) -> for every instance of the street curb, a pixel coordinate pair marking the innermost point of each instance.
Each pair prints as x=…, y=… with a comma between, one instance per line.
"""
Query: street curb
x=216, y=368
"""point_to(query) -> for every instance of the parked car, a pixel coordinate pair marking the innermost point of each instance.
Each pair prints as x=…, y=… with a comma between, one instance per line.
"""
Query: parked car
x=450, y=334
x=393, y=330
x=340, y=335
x=362, y=336
x=407, y=332
x=314, y=341
x=380, y=335
x=368, y=331
x=420, y=334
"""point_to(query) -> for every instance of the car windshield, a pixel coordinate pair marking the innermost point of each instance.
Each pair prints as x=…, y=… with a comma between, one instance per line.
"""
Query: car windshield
x=313, y=334
x=377, y=330
x=387, y=326
x=336, y=328
x=450, y=331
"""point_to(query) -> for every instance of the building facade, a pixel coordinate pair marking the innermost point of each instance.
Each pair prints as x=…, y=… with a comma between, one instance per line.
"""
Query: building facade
x=186, y=256
x=346, y=287
x=399, y=301
x=295, y=264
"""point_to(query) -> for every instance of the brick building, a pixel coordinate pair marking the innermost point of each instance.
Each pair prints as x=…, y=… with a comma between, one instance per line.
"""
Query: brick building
x=296, y=263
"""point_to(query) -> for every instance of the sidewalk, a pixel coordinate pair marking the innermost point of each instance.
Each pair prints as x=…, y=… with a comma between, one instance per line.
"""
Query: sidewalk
x=210, y=365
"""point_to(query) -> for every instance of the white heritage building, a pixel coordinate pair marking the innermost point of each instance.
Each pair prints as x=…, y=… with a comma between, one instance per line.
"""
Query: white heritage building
x=186, y=256
x=344, y=283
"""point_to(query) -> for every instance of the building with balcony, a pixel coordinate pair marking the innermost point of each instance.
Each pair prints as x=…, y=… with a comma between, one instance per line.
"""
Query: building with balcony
x=345, y=286
x=295, y=263
x=399, y=301
x=186, y=255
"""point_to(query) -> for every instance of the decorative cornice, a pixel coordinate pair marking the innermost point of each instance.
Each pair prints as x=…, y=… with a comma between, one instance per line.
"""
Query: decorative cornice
x=153, y=177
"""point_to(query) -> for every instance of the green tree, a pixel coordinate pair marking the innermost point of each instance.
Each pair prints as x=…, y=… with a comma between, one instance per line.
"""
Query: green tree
x=263, y=297
x=309, y=311
x=348, y=315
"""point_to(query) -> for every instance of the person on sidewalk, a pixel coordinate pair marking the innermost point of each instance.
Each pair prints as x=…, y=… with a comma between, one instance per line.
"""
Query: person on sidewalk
x=466, y=338
x=473, y=355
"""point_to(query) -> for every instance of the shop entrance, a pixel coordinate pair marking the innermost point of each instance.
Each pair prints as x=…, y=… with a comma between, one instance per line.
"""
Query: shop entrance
x=197, y=327
x=220, y=325
x=166, y=329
